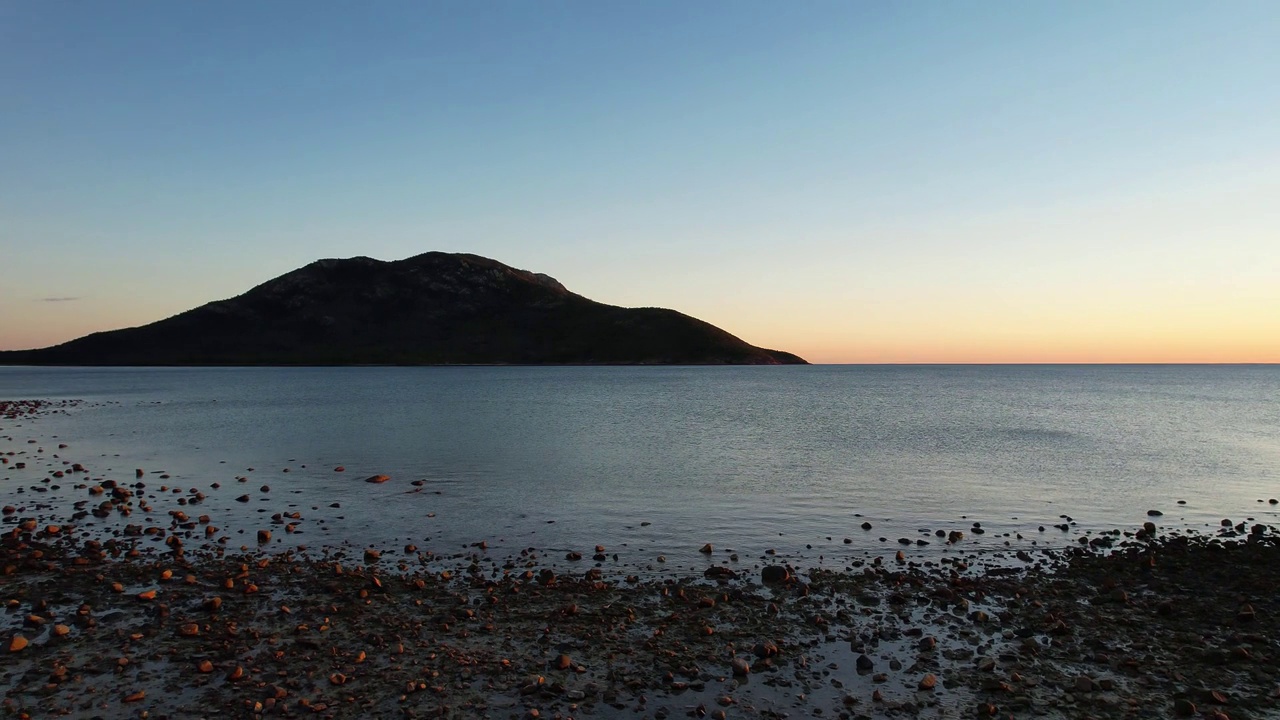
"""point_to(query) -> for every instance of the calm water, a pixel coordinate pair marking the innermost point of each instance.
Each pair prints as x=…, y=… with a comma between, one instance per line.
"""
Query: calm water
x=744, y=458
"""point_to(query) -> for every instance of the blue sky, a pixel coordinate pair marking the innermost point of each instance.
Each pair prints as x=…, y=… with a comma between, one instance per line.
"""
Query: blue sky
x=946, y=181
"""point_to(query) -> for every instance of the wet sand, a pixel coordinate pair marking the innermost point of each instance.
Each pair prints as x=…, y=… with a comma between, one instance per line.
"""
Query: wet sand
x=133, y=603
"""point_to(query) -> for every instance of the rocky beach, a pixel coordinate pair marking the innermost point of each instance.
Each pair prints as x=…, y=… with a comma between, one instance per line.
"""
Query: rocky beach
x=124, y=598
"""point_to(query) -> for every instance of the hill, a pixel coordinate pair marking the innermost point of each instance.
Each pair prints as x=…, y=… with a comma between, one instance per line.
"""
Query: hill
x=431, y=309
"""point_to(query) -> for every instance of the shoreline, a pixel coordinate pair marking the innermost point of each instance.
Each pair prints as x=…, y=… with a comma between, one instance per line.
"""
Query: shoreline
x=1142, y=629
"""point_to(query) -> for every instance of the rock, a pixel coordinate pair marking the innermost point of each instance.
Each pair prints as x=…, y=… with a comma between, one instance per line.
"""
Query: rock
x=741, y=667
x=264, y=536
x=1084, y=684
x=720, y=573
x=189, y=630
x=765, y=649
x=864, y=664
x=773, y=574
x=18, y=643
x=377, y=479
x=866, y=526
x=135, y=696
x=1184, y=708
x=61, y=630
x=564, y=662
x=205, y=666
x=1154, y=513
x=705, y=549
x=928, y=682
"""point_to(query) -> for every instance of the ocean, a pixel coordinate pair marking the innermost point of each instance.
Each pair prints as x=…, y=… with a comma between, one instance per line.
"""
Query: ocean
x=658, y=461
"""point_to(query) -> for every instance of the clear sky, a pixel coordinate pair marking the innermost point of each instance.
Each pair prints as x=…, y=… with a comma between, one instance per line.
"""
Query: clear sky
x=853, y=181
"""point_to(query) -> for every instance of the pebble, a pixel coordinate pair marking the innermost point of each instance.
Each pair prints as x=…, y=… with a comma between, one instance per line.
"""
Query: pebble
x=772, y=574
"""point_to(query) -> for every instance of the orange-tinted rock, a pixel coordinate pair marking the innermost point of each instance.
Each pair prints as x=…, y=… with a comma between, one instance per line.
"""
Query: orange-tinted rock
x=377, y=479
x=18, y=643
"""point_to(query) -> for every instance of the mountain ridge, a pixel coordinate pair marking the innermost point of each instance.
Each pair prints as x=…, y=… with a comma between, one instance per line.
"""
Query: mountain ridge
x=429, y=309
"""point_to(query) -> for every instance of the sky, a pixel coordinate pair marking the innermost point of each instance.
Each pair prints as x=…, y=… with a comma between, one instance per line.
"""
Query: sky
x=855, y=182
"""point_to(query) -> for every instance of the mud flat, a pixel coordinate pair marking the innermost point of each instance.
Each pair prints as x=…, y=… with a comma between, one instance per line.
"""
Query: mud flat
x=129, y=601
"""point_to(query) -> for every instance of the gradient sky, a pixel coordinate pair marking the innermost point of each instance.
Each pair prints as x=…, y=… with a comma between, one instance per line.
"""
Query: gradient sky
x=850, y=181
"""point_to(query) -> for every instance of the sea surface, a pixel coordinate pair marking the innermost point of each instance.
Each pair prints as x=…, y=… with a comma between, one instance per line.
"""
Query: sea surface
x=652, y=461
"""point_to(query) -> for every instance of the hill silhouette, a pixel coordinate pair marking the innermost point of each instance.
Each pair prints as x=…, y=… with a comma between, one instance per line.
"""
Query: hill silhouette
x=434, y=308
